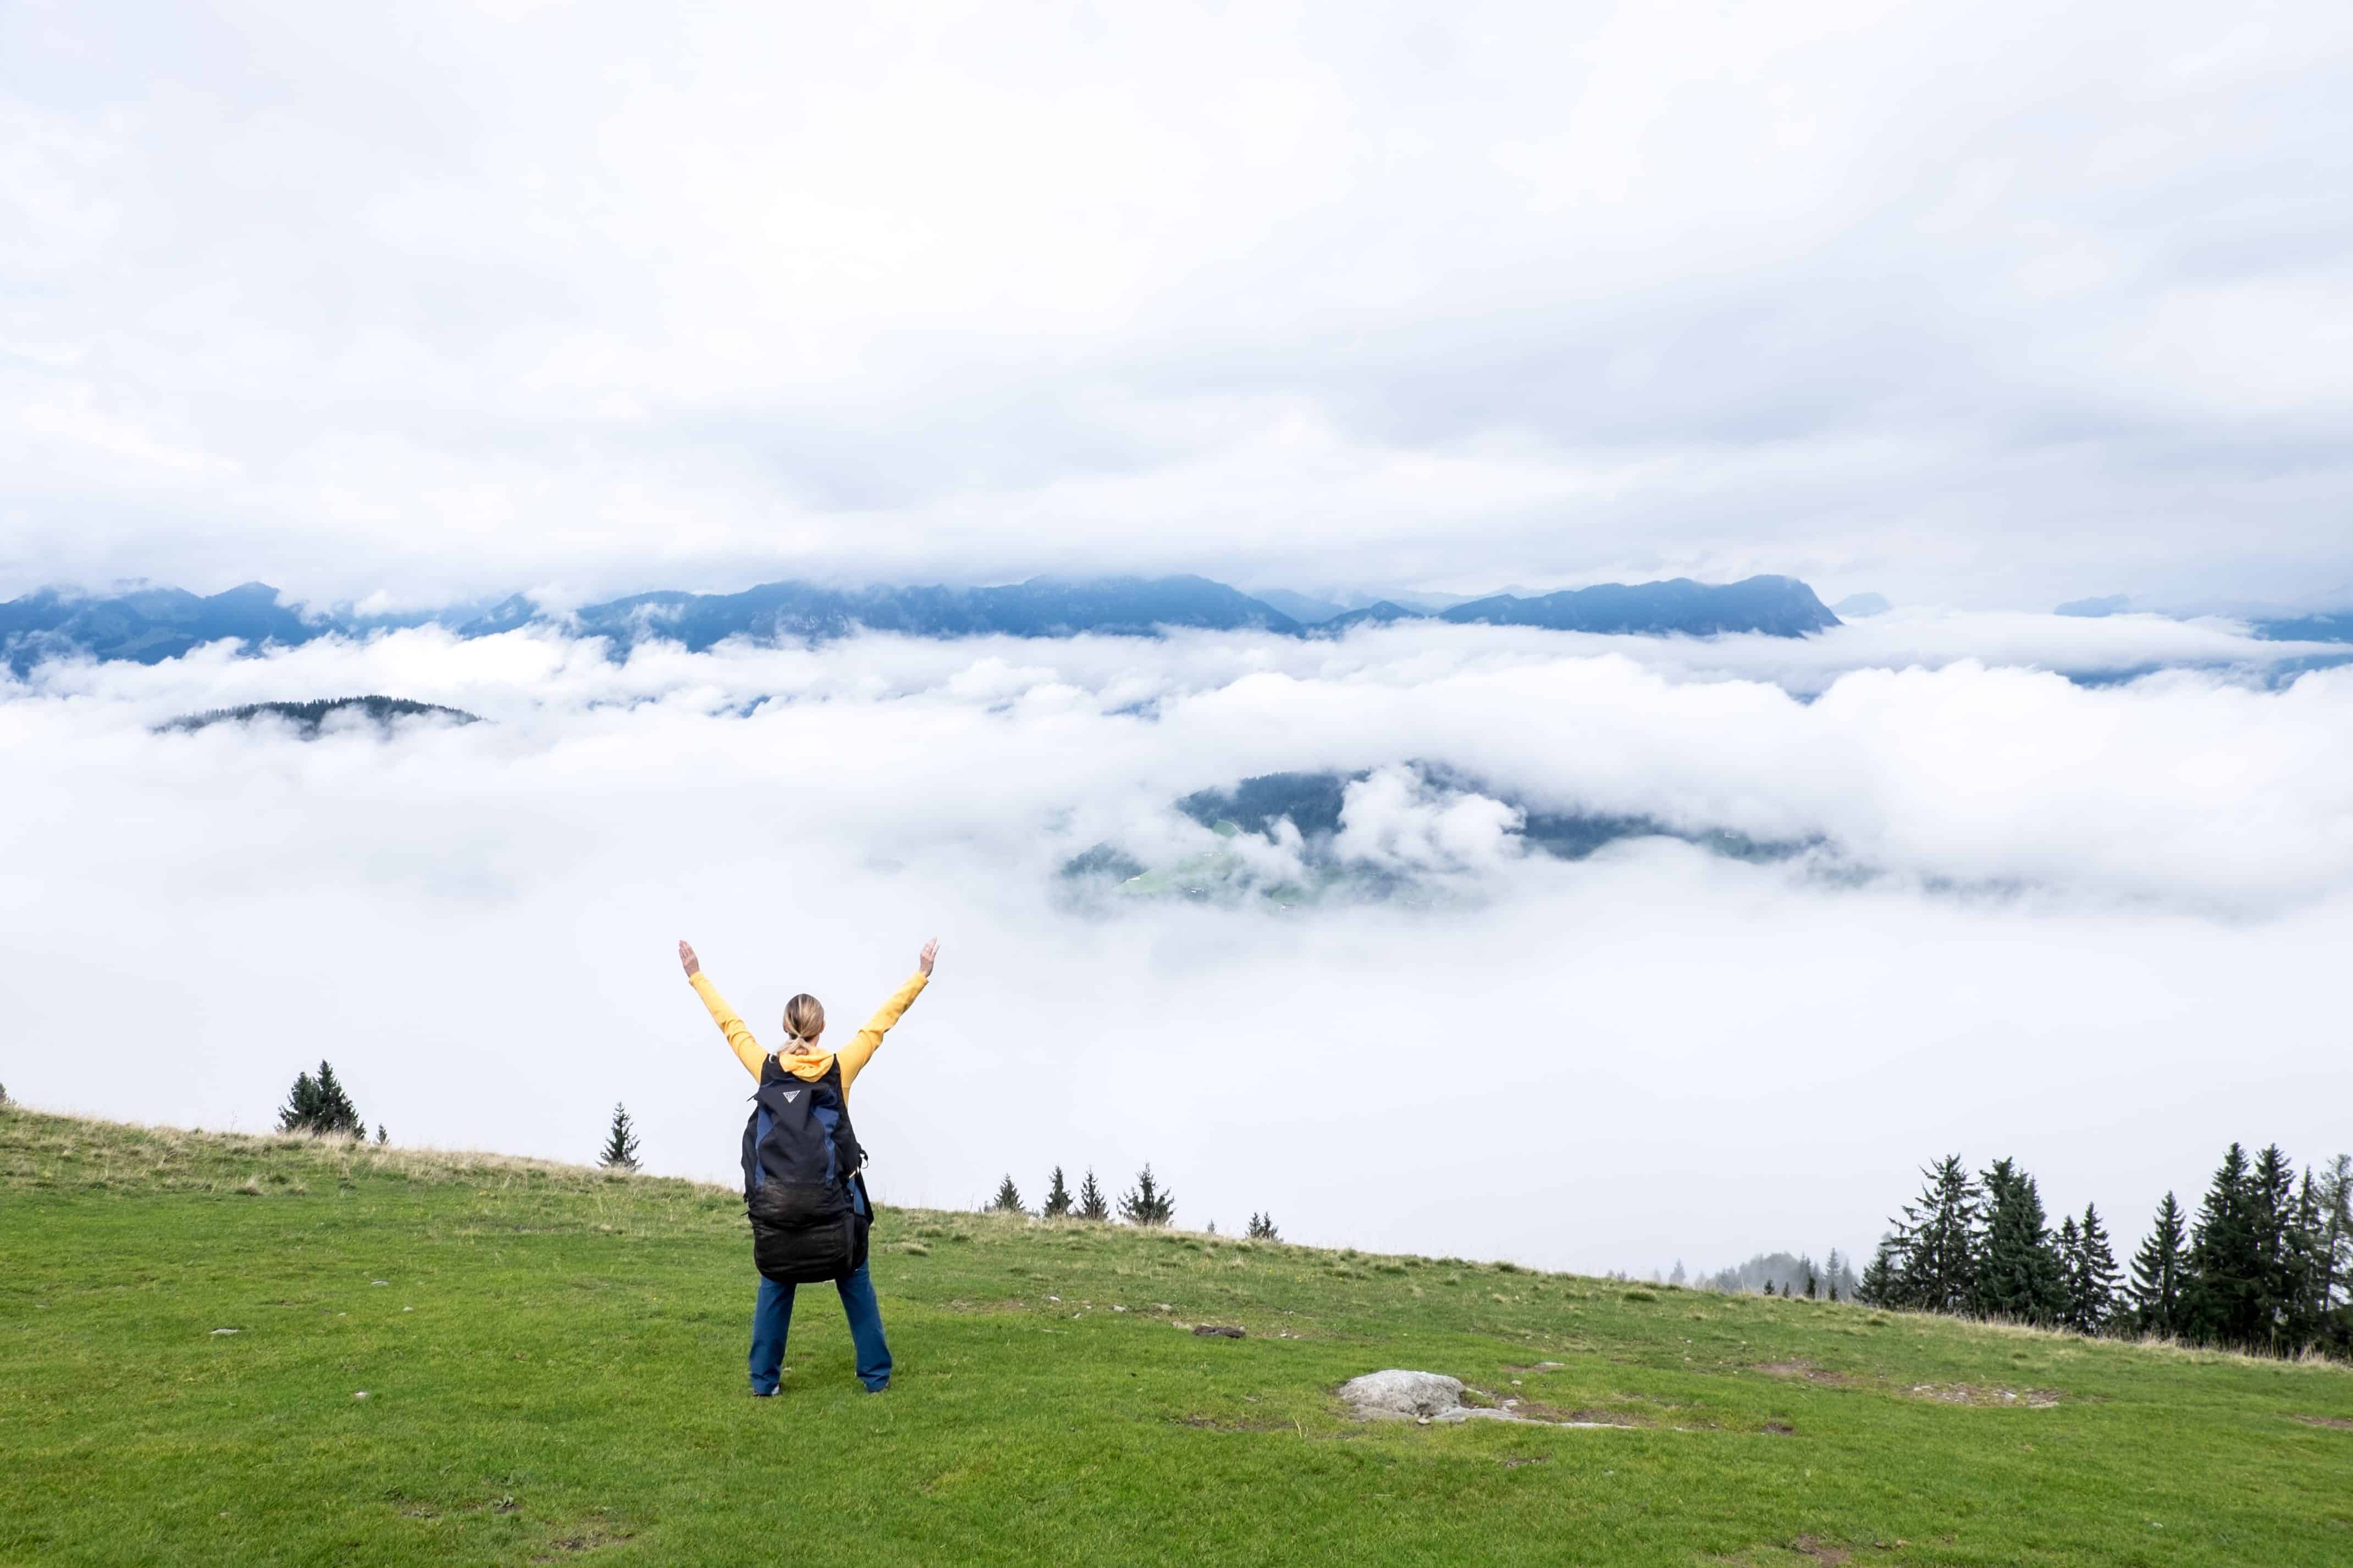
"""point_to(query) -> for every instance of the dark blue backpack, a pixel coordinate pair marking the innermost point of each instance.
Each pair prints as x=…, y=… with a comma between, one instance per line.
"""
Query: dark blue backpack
x=801, y=1184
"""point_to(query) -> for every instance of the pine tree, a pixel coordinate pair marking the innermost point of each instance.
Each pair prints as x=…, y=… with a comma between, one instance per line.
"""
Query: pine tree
x=1813, y=1284
x=301, y=1111
x=2069, y=1244
x=2336, y=1238
x=2018, y=1272
x=1261, y=1228
x=2157, y=1271
x=2091, y=1276
x=380, y=1139
x=336, y=1113
x=2302, y=1270
x=620, y=1143
x=2283, y=1262
x=1058, y=1198
x=1091, y=1204
x=1008, y=1196
x=2333, y=1248
x=1940, y=1254
x=1146, y=1203
x=1880, y=1285
x=2222, y=1291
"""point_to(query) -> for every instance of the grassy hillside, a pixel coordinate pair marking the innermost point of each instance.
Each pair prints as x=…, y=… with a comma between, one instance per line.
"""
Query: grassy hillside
x=554, y=1367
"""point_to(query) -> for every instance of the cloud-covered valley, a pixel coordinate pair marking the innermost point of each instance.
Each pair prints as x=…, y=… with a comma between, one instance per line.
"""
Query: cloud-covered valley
x=2034, y=903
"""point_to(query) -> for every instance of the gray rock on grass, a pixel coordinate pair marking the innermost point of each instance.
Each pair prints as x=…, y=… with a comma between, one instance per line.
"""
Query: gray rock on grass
x=1431, y=1398
x=1396, y=1395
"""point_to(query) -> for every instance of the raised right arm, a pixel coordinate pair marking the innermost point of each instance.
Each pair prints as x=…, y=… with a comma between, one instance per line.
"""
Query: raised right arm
x=739, y=1038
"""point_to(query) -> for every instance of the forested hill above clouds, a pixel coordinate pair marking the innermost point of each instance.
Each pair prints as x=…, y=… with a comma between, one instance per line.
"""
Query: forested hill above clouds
x=151, y=624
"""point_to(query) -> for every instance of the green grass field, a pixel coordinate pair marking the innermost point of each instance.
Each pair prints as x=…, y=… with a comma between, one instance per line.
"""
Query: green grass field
x=554, y=1365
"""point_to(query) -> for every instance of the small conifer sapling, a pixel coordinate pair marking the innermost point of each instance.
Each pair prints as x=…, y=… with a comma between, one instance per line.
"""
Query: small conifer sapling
x=620, y=1143
x=1148, y=1203
x=1092, y=1204
x=1057, y=1197
x=1008, y=1196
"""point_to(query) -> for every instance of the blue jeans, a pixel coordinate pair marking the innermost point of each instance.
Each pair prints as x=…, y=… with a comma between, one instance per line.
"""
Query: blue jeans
x=771, y=1319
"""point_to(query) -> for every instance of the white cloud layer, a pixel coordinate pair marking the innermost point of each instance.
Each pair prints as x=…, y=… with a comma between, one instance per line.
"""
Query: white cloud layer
x=1994, y=304
x=2100, y=925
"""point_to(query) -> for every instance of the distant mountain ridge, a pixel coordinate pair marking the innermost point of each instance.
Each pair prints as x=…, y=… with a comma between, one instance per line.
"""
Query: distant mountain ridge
x=151, y=624
x=310, y=720
x=1778, y=606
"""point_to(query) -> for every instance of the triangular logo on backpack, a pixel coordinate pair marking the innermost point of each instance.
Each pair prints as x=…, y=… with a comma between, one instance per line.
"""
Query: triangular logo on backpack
x=791, y=1095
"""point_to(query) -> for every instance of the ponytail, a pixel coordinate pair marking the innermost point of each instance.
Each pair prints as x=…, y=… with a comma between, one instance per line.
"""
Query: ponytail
x=804, y=1017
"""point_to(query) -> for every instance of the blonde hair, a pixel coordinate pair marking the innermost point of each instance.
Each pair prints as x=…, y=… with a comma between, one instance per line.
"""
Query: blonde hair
x=804, y=1017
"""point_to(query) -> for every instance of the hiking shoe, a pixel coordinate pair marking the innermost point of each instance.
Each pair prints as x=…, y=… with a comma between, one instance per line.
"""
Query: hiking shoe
x=766, y=1393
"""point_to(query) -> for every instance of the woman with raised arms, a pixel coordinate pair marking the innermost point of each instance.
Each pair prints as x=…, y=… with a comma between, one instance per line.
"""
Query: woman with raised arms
x=802, y=1189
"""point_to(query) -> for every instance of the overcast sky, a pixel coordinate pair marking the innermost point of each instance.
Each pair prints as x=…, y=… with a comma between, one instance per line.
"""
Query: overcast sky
x=1988, y=305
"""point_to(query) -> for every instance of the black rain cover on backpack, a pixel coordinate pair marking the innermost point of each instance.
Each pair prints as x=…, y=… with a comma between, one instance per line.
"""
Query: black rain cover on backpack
x=800, y=1170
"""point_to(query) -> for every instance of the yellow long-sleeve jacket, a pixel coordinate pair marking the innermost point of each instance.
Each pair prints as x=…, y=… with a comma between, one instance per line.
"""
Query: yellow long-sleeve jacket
x=800, y=1061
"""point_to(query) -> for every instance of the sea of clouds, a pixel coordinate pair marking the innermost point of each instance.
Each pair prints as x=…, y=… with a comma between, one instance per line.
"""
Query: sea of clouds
x=2076, y=891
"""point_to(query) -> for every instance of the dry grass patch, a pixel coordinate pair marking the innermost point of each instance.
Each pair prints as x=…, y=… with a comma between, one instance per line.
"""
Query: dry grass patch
x=1985, y=1396
x=1811, y=1373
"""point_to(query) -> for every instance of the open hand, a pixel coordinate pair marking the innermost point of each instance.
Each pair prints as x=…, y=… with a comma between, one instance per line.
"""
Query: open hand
x=923, y=959
x=687, y=961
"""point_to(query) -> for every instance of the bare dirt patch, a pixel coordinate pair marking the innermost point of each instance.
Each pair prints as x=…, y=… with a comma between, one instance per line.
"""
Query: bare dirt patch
x=585, y=1541
x=2337, y=1423
x=1222, y=1424
x=1805, y=1547
x=1809, y=1373
x=1985, y=1395
x=1536, y=1410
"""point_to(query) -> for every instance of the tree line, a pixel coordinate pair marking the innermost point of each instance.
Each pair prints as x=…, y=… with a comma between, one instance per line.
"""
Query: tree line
x=1146, y=1203
x=322, y=1106
x=2266, y=1266
x=1780, y=1274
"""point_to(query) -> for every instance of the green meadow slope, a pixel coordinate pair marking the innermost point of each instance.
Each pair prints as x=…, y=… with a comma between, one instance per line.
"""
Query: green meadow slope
x=553, y=1361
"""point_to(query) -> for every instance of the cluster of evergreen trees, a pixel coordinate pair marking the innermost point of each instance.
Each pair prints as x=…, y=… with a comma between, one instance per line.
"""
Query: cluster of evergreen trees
x=322, y=1107
x=2267, y=1266
x=1145, y=1204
